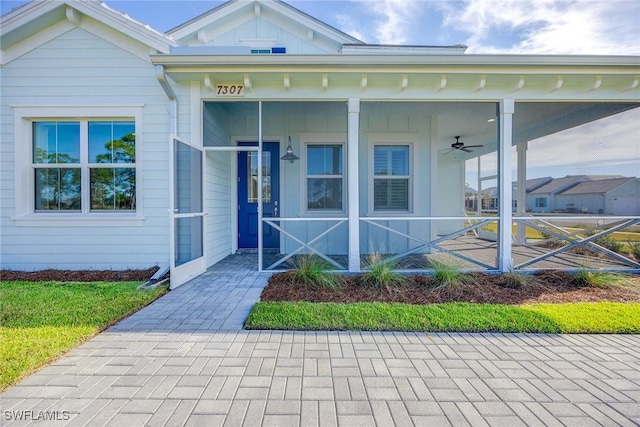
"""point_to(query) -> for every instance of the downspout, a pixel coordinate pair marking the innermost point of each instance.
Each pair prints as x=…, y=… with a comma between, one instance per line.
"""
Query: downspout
x=173, y=100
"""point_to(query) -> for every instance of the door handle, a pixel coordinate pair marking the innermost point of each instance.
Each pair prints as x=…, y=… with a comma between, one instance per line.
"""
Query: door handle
x=275, y=211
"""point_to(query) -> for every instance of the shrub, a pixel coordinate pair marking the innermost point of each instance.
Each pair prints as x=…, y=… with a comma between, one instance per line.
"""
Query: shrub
x=447, y=276
x=313, y=271
x=609, y=242
x=598, y=279
x=635, y=250
x=381, y=273
x=513, y=280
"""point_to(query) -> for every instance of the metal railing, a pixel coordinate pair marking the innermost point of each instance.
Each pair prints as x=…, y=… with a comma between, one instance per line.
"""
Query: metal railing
x=472, y=224
x=278, y=223
x=570, y=238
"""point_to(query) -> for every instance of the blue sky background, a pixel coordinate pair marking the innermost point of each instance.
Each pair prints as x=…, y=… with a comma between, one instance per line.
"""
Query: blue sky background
x=610, y=27
x=496, y=26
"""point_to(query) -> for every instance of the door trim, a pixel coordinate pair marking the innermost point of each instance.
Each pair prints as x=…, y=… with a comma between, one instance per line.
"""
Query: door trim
x=234, y=181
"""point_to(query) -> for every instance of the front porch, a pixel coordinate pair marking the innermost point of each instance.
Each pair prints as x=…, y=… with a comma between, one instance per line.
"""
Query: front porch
x=384, y=179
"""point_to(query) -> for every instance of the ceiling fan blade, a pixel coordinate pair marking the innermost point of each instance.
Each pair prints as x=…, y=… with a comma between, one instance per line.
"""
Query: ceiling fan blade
x=465, y=150
x=473, y=146
x=448, y=151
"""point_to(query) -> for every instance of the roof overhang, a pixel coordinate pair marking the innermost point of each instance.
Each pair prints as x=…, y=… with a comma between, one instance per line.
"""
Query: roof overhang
x=418, y=77
x=32, y=18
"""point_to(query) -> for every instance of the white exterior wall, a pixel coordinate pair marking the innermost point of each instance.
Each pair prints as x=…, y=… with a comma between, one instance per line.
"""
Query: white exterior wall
x=259, y=29
x=217, y=203
x=449, y=200
x=592, y=203
x=625, y=199
x=377, y=122
x=80, y=69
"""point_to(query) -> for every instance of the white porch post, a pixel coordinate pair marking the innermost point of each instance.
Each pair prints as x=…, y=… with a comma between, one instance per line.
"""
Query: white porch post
x=479, y=193
x=260, y=225
x=521, y=199
x=353, y=198
x=506, y=110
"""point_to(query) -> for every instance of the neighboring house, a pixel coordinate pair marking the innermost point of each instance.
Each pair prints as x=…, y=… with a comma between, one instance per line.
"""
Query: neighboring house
x=490, y=194
x=123, y=147
x=618, y=196
x=546, y=198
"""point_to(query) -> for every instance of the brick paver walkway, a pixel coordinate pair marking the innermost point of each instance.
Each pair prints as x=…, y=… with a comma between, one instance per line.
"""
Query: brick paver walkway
x=185, y=360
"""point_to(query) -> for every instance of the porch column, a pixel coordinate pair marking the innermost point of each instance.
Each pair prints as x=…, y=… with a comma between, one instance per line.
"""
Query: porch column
x=353, y=198
x=505, y=114
x=521, y=199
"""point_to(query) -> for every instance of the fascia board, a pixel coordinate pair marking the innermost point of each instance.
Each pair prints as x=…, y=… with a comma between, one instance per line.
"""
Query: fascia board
x=26, y=13
x=137, y=31
x=281, y=9
x=208, y=18
x=95, y=10
x=452, y=63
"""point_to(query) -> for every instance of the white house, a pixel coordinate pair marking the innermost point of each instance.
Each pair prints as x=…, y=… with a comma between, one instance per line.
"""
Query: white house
x=616, y=196
x=123, y=147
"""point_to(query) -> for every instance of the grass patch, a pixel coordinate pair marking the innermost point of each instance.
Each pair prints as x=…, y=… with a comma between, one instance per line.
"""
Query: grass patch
x=39, y=321
x=382, y=273
x=599, y=279
x=591, y=317
x=448, y=317
x=313, y=271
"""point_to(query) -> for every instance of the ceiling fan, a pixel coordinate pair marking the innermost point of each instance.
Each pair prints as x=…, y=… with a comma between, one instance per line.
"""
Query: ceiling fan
x=458, y=145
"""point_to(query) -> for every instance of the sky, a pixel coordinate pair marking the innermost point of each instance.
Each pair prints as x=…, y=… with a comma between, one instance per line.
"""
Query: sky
x=609, y=27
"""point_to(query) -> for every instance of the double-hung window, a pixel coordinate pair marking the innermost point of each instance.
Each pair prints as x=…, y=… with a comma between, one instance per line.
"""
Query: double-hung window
x=391, y=177
x=83, y=166
x=325, y=177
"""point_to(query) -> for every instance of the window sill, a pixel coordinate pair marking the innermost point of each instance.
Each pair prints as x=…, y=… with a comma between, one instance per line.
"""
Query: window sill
x=79, y=220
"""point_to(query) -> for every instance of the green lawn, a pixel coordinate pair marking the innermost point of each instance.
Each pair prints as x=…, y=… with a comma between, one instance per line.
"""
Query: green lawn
x=39, y=321
x=602, y=317
x=532, y=233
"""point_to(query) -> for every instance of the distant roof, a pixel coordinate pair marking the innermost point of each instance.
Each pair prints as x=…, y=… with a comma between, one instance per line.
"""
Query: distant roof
x=559, y=184
x=535, y=183
x=598, y=186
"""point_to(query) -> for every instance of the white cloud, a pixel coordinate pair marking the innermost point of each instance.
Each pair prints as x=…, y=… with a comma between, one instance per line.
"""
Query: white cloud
x=393, y=19
x=350, y=26
x=547, y=26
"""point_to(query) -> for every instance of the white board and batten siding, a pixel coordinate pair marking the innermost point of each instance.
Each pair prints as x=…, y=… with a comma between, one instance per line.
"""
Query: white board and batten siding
x=80, y=69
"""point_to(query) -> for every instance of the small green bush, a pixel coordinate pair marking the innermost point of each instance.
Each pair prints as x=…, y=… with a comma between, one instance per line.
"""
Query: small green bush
x=635, y=250
x=609, y=242
x=313, y=271
x=381, y=273
x=448, y=277
x=598, y=279
x=513, y=280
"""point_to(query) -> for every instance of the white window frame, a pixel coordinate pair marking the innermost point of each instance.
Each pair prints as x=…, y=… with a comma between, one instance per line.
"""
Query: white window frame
x=307, y=139
x=404, y=139
x=25, y=213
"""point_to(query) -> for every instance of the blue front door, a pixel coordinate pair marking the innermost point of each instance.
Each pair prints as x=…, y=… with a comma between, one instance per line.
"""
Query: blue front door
x=248, y=194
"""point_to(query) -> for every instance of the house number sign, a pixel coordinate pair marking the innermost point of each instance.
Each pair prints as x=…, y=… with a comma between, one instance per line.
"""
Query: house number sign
x=229, y=90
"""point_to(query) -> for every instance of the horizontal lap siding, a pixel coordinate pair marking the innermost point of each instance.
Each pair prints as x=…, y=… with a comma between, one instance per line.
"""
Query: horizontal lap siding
x=218, y=206
x=79, y=68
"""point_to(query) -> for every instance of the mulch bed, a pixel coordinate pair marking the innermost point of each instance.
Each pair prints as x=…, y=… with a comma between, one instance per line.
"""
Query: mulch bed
x=545, y=286
x=79, y=275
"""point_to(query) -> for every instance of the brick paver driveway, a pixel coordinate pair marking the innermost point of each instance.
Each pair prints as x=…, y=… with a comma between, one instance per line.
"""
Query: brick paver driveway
x=185, y=360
